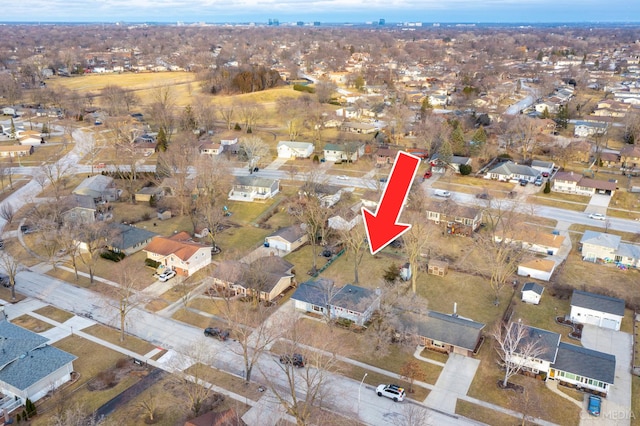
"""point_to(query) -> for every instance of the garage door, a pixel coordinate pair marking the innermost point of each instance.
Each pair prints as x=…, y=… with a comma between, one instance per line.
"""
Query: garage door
x=280, y=245
x=610, y=324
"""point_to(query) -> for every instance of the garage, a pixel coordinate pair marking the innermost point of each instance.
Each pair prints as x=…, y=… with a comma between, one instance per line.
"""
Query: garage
x=611, y=324
x=597, y=309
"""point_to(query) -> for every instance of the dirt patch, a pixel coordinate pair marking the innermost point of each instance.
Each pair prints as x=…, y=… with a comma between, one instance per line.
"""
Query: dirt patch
x=109, y=378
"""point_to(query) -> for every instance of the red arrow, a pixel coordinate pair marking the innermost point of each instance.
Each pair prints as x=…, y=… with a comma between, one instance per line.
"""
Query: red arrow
x=382, y=227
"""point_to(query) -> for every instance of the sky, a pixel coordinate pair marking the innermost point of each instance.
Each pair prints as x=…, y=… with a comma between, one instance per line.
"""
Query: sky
x=326, y=11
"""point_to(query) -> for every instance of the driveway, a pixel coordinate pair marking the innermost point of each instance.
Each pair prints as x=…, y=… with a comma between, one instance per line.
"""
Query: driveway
x=616, y=408
x=598, y=204
x=454, y=381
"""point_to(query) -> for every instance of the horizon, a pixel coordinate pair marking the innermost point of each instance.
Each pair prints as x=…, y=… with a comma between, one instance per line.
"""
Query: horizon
x=327, y=11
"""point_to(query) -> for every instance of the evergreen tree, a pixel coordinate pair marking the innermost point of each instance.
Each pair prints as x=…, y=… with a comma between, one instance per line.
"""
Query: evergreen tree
x=162, y=140
x=445, y=152
x=478, y=141
x=359, y=83
x=545, y=113
x=457, y=141
x=547, y=187
x=562, y=118
x=540, y=56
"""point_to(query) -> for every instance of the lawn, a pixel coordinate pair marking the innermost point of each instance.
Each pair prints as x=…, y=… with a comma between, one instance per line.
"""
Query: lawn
x=92, y=359
x=558, y=202
x=227, y=381
x=192, y=318
x=31, y=323
x=238, y=242
x=543, y=315
x=549, y=406
x=483, y=414
x=113, y=336
x=635, y=400
x=54, y=313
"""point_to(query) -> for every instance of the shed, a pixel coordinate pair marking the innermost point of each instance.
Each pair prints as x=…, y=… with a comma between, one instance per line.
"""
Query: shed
x=540, y=269
x=164, y=214
x=531, y=293
x=438, y=267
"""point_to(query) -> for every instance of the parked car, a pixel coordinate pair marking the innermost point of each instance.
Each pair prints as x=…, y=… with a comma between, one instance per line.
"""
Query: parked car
x=166, y=275
x=342, y=177
x=545, y=174
x=523, y=182
x=597, y=216
x=216, y=332
x=442, y=193
x=595, y=402
x=296, y=360
x=394, y=392
x=383, y=180
x=427, y=174
x=483, y=196
x=538, y=181
x=4, y=280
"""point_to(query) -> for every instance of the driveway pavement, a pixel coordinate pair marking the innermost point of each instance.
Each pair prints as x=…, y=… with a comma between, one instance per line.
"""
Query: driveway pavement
x=598, y=204
x=616, y=408
x=454, y=381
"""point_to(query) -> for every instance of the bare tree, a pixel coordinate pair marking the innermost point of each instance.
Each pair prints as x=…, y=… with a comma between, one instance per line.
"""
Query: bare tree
x=523, y=130
x=57, y=172
x=177, y=160
x=149, y=405
x=162, y=109
x=249, y=113
x=416, y=240
x=253, y=332
x=254, y=150
x=307, y=388
x=92, y=238
x=7, y=212
x=412, y=371
x=126, y=296
x=11, y=267
x=190, y=368
x=309, y=210
x=227, y=113
x=125, y=132
x=518, y=345
x=355, y=241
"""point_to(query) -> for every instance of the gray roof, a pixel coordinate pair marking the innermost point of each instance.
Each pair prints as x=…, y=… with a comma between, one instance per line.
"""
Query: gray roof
x=25, y=358
x=540, y=163
x=453, y=330
x=597, y=302
x=126, y=236
x=629, y=250
x=510, y=168
x=315, y=292
x=586, y=362
x=254, y=181
x=295, y=145
x=93, y=184
x=536, y=288
x=354, y=298
x=600, y=239
x=545, y=339
x=289, y=233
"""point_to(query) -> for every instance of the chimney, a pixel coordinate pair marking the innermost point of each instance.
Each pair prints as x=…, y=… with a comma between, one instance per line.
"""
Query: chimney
x=455, y=310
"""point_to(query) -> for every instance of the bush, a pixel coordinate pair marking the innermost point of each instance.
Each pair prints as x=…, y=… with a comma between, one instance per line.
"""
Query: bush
x=316, y=159
x=465, y=169
x=237, y=127
x=31, y=408
x=112, y=255
x=122, y=362
x=151, y=263
x=146, y=216
x=18, y=418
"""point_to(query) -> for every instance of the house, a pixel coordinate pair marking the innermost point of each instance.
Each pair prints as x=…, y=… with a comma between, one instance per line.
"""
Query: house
x=128, y=239
x=440, y=165
x=583, y=368
x=630, y=158
x=569, y=364
x=98, y=187
x=543, y=166
x=531, y=293
x=30, y=137
x=574, y=183
x=211, y=149
x=180, y=253
x=329, y=195
x=15, y=150
x=291, y=149
x=252, y=188
x=146, y=149
x=8, y=111
x=350, y=151
x=446, y=333
x=144, y=194
x=267, y=275
x=602, y=311
x=346, y=220
x=350, y=302
x=508, y=171
x=609, y=159
x=348, y=112
x=585, y=129
x=580, y=151
x=456, y=218
x=83, y=209
x=385, y=156
x=29, y=367
x=540, y=269
x=287, y=239
x=608, y=248
x=361, y=128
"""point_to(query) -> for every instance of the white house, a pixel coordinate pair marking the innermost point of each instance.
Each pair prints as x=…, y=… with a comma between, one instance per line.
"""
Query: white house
x=29, y=367
x=348, y=112
x=510, y=171
x=346, y=220
x=211, y=149
x=531, y=293
x=287, y=239
x=350, y=151
x=591, y=308
x=543, y=166
x=252, y=188
x=585, y=129
x=291, y=149
x=608, y=248
x=180, y=253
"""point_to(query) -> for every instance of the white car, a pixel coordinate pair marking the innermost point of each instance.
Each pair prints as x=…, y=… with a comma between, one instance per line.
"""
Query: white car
x=442, y=193
x=343, y=177
x=597, y=216
x=394, y=392
x=167, y=275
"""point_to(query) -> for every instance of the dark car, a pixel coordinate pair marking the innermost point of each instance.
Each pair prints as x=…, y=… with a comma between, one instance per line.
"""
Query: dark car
x=483, y=196
x=256, y=169
x=523, y=182
x=427, y=174
x=595, y=402
x=4, y=280
x=217, y=333
x=296, y=360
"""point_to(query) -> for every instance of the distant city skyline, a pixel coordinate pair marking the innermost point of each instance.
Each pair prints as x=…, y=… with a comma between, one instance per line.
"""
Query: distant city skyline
x=325, y=11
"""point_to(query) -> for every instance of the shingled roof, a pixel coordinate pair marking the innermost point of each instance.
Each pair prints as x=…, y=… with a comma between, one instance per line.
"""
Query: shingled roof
x=586, y=362
x=450, y=329
x=597, y=302
x=179, y=245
